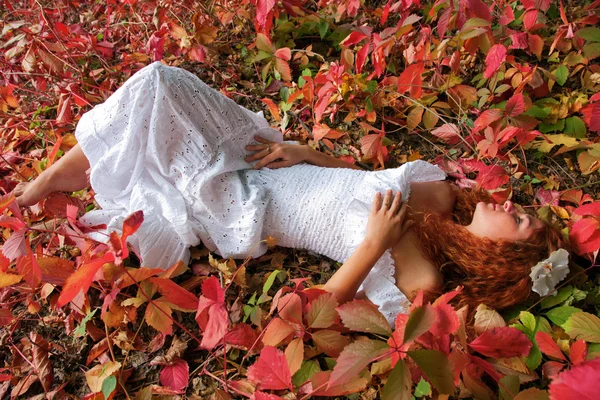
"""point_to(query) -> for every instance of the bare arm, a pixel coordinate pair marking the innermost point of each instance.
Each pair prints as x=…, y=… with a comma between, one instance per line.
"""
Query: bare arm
x=278, y=155
x=385, y=227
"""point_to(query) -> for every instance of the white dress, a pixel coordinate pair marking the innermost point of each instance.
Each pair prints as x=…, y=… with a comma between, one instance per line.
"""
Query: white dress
x=169, y=145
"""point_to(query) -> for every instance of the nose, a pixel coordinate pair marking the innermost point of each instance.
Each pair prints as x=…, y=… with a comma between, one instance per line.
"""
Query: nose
x=508, y=206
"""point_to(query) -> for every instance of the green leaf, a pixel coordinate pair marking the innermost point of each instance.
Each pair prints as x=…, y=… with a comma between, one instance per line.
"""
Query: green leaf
x=584, y=326
x=306, y=371
x=556, y=127
x=562, y=295
x=419, y=322
x=534, y=359
x=560, y=315
x=423, y=388
x=509, y=386
x=528, y=321
x=271, y=280
x=363, y=316
x=323, y=28
x=284, y=93
x=108, y=386
x=592, y=34
x=80, y=331
x=538, y=112
x=592, y=50
x=398, y=384
x=561, y=74
x=436, y=366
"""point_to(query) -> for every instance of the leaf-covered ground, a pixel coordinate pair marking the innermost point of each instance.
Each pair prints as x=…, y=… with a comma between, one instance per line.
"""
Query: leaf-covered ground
x=499, y=94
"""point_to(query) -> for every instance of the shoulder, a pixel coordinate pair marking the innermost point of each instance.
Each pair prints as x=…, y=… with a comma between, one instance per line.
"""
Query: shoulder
x=436, y=196
x=428, y=280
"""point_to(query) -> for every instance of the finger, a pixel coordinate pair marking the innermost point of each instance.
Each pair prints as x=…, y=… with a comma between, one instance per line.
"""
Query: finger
x=387, y=200
x=270, y=157
x=403, y=210
x=278, y=164
x=256, y=147
x=257, y=156
x=376, y=203
x=261, y=139
x=396, y=203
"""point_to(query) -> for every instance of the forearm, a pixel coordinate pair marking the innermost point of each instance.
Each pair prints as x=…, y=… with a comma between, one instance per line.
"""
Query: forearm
x=315, y=157
x=345, y=282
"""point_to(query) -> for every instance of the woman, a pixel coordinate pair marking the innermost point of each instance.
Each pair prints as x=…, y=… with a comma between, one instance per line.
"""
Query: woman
x=169, y=145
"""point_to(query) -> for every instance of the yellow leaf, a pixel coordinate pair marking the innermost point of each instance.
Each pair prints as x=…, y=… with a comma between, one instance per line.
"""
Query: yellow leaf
x=559, y=139
x=9, y=279
x=430, y=119
x=99, y=373
x=414, y=117
x=294, y=354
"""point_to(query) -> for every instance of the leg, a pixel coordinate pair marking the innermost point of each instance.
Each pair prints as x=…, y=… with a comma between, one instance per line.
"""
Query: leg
x=67, y=175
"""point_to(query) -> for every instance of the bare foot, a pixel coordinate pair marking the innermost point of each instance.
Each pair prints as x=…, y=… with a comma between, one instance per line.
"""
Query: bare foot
x=30, y=193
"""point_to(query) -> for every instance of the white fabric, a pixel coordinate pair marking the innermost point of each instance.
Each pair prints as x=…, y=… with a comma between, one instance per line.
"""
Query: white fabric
x=168, y=144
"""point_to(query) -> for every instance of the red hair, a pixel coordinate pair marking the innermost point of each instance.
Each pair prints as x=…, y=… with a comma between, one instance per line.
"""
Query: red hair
x=492, y=272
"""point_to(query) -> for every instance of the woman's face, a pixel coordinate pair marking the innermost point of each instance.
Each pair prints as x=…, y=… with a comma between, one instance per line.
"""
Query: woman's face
x=496, y=221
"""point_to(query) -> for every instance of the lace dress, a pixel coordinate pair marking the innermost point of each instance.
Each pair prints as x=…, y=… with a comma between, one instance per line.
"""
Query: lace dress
x=169, y=145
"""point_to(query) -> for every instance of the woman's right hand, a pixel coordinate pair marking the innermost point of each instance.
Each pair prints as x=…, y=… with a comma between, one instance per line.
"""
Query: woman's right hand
x=387, y=221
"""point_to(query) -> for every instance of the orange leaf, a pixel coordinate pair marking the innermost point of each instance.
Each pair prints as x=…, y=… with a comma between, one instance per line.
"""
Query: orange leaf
x=158, y=316
x=272, y=108
x=55, y=270
x=81, y=279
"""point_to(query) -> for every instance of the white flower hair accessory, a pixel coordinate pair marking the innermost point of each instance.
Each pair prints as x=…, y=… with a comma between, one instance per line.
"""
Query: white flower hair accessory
x=546, y=274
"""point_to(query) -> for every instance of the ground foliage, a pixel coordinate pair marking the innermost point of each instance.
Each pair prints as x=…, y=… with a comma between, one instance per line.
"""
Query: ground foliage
x=502, y=94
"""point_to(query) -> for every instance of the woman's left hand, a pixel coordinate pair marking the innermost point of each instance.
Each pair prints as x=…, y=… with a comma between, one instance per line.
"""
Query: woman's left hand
x=276, y=155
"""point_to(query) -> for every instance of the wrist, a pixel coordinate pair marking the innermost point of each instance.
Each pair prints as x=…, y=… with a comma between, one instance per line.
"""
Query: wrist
x=376, y=247
x=308, y=154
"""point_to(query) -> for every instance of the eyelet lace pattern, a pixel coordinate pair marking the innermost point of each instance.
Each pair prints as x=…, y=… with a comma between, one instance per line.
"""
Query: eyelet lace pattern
x=171, y=146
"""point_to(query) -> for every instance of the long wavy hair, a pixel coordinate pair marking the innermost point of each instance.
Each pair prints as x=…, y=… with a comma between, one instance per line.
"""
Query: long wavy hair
x=493, y=272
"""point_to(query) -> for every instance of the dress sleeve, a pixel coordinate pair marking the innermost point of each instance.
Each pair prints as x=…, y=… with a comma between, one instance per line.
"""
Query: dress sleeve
x=380, y=285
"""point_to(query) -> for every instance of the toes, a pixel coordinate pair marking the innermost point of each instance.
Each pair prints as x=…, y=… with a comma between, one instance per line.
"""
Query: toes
x=20, y=189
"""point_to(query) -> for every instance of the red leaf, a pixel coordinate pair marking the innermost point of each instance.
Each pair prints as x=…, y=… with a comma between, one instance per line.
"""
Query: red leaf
x=578, y=351
x=551, y=368
x=271, y=371
x=595, y=118
x=29, y=268
x=515, y=105
x=530, y=18
x=449, y=133
x=578, y=383
x=175, y=375
x=12, y=223
x=16, y=245
x=216, y=328
x=41, y=362
x=263, y=8
x=486, y=118
x=495, y=57
x=446, y=321
x=589, y=209
x=81, y=279
x=197, y=53
x=132, y=224
x=442, y=25
x=353, y=38
x=176, y=294
x=264, y=396
x=480, y=9
x=519, y=40
x=6, y=317
x=361, y=57
x=502, y=342
x=321, y=106
x=371, y=145
x=492, y=177
x=583, y=230
x=548, y=346
x=354, y=358
x=241, y=336
x=284, y=53
x=410, y=80
x=507, y=16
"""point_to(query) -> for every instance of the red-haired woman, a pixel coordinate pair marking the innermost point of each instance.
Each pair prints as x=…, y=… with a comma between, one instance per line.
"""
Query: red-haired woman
x=167, y=144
